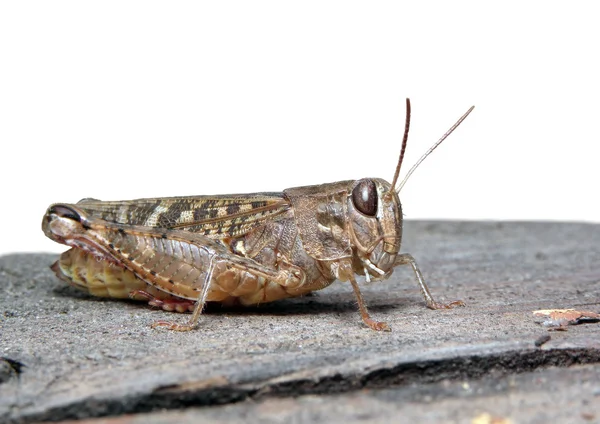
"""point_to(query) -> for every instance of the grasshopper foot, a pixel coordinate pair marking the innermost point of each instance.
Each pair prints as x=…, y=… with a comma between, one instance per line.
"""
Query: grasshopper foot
x=377, y=325
x=188, y=326
x=173, y=326
x=438, y=305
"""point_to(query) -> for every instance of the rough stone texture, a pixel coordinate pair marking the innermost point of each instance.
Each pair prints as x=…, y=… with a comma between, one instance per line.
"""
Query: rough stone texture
x=66, y=355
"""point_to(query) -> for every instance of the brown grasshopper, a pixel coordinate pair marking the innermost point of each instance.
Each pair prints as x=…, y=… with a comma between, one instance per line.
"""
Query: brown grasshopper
x=179, y=253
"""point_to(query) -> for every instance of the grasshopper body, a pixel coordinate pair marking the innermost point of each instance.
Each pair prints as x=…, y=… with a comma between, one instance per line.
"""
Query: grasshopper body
x=181, y=252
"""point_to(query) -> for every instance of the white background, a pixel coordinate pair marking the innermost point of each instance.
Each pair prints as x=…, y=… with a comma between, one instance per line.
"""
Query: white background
x=121, y=100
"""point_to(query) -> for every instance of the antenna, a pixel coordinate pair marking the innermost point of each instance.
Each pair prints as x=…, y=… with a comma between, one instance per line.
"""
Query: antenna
x=403, y=148
x=431, y=149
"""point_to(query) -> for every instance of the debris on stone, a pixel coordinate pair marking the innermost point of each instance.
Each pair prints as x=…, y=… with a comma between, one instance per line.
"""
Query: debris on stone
x=562, y=317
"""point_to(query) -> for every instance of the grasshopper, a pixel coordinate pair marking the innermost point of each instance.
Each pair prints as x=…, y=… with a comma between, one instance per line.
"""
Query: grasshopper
x=179, y=253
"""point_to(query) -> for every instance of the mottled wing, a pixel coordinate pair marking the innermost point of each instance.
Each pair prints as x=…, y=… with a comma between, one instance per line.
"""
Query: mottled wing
x=214, y=216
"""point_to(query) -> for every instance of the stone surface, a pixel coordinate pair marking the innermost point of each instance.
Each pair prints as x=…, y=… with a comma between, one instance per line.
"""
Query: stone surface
x=66, y=355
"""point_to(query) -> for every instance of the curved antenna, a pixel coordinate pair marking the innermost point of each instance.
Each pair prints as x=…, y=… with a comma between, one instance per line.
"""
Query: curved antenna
x=403, y=148
x=432, y=148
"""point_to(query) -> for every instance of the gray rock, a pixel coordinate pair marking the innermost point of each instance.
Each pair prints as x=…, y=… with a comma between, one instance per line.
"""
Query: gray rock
x=66, y=355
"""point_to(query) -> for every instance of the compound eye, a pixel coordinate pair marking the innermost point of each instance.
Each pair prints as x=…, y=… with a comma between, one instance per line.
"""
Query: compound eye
x=364, y=197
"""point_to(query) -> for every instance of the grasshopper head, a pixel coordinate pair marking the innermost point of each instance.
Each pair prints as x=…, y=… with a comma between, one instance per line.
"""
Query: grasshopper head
x=376, y=214
x=375, y=226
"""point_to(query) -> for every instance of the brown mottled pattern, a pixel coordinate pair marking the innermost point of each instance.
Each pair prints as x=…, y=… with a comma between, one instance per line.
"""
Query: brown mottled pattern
x=213, y=216
x=133, y=212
